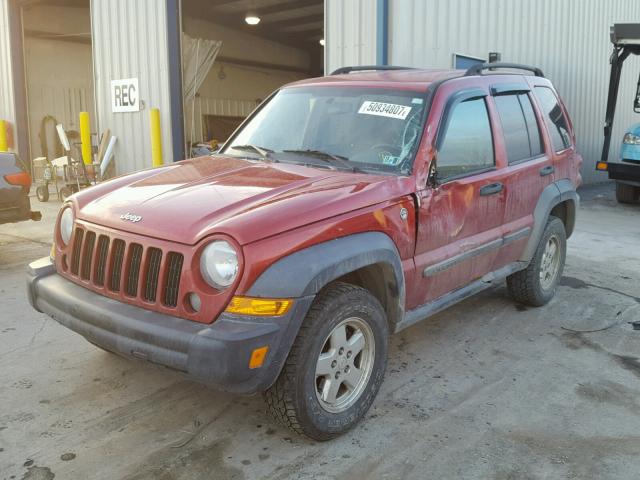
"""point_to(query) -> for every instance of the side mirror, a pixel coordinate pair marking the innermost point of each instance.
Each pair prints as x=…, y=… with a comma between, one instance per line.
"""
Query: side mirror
x=636, y=103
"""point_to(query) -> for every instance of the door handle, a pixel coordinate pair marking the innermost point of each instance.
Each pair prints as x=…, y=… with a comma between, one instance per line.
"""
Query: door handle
x=491, y=189
x=548, y=170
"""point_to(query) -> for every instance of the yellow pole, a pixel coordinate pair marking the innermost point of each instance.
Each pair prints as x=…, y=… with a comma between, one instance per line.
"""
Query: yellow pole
x=156, y=139
x=85, y=138
x=4, y=147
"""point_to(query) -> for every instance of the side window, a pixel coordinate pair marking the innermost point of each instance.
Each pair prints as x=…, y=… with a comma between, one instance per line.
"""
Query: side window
x=535, y=138
x=468, y=144
x=519, y=126
x=554, y=117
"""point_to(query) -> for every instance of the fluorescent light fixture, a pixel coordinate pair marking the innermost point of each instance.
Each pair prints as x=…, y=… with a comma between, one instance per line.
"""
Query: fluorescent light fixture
x=252, y=19
x=321, y=41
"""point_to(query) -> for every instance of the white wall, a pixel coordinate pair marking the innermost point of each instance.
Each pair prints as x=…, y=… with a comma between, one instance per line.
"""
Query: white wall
x=7, y=106
x=236, y=94
x=59, y=73
x=568, y=39
x=350, y=33
x=130, y=40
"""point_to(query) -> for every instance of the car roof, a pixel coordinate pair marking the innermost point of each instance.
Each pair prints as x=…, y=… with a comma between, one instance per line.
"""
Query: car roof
x=408, y=79
x=411, y=79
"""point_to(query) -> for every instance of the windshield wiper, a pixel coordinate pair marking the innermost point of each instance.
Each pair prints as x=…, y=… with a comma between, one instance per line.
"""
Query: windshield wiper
x=329, y=158
x=262, y=151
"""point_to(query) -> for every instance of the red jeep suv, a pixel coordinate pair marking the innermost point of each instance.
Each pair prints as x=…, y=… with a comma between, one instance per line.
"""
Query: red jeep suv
x=344, y=209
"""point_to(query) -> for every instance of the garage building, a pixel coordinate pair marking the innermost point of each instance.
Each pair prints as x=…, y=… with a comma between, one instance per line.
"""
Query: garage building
x=206, y=64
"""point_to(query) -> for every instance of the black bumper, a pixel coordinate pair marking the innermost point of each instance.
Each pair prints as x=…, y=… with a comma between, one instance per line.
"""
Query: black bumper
x=217, y=354
x=624, y=171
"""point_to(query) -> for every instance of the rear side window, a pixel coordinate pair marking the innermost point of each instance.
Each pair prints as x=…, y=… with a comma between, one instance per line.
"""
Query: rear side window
x=468, y=145
x=519, y=125
x=554, y=117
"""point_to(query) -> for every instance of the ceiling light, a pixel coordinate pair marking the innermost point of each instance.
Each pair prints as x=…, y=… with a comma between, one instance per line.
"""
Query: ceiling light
x=321, y=41
x=252, y=19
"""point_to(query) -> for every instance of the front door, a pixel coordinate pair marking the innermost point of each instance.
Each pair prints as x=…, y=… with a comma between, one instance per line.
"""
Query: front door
x=460, y=219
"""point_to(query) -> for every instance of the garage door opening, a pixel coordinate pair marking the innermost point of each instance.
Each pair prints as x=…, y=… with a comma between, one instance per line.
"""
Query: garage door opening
x=244, y=50
x=59, y=71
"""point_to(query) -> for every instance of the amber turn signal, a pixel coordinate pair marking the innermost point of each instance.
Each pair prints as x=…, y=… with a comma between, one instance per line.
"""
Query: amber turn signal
x=259, y=306
x=602, y=166
x=258, y=356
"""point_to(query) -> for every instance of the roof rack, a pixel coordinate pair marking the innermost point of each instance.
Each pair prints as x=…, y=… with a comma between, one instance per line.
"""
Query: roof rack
x=477, y=69
x=361, y=68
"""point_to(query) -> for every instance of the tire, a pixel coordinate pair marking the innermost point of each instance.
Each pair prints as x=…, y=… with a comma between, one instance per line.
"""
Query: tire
x=535, y=285
x=626, y=193
x=42, y=193
x=301, y=398
x=65, y=192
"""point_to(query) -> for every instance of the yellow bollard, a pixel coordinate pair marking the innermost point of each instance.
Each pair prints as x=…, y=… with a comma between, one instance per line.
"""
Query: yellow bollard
x=85, y=138
x=156, y=139
x=4, y=146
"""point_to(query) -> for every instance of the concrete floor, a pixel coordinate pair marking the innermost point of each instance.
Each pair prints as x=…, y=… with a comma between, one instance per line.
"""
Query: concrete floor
x=487, y=389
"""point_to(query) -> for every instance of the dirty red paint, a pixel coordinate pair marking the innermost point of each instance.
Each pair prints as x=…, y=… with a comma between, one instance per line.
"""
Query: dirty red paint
x=272, y=210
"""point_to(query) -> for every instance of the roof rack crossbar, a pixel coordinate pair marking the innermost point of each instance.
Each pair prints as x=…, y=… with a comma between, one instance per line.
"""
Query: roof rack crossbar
x=478, y=69
x=362, y=68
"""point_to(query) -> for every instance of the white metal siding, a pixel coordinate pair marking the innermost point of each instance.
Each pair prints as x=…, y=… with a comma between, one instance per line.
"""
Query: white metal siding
x=350, y=31
x=130, y=40
x=568, y=39
x=7, y=108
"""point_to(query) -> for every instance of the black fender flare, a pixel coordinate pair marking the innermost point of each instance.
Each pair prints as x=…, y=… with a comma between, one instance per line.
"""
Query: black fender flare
x=307, y=271
x=553, y=194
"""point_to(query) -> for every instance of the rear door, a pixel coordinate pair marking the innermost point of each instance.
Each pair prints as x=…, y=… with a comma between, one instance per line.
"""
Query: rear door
x=459, y=231
x=530, y=166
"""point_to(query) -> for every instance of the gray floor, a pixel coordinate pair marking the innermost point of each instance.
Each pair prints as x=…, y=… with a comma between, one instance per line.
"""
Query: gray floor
x=486, y=389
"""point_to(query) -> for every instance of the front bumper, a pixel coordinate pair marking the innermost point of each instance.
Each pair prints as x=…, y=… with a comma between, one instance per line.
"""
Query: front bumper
x=216, y=354
x=626, y=172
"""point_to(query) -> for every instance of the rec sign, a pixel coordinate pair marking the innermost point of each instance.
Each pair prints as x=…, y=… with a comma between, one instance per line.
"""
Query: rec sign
x=125, y=95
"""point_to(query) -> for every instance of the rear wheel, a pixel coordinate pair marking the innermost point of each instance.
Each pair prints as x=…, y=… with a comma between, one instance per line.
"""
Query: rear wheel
x=42, y=193
x=336, y=365
x=626, y=193
x=536, y=285
x=65, y=192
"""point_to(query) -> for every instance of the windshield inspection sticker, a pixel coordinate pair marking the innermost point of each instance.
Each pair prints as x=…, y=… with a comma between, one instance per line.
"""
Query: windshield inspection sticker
x=390, y=110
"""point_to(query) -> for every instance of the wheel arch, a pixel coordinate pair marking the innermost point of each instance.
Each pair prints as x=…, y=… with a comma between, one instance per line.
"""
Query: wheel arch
x=370, y=260
x=559, y=199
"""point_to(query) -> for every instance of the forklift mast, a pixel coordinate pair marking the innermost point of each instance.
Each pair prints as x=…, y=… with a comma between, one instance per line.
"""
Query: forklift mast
x=626, y=41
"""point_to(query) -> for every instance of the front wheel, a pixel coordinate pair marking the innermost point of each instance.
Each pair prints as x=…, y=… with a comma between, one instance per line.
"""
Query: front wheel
x=536, y=285
x=336, y=365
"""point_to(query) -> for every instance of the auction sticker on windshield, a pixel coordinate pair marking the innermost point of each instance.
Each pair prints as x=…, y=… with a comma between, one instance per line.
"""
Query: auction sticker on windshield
x=390, y=110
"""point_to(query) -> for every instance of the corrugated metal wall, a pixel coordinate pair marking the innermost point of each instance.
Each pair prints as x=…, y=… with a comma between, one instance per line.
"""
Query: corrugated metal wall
x=130, y=40
x=7, y=107
x=350, y=33
x=568, y=39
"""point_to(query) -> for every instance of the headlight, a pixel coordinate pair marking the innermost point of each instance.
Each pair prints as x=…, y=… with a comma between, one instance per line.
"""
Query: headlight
x=631, y=139
x=219, y=264
x=66, y=225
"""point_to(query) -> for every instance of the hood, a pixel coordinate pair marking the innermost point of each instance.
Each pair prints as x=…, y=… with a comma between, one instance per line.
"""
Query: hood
x=248, y=200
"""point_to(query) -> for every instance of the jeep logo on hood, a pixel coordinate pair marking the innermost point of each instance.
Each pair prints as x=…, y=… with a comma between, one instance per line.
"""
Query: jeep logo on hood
x=130, y=217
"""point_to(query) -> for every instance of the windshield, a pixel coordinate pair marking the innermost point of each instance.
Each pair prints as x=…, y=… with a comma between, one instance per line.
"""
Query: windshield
x=363, y=129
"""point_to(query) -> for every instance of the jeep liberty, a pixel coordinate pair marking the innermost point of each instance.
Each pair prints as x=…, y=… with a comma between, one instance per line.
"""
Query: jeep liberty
x=343, y=210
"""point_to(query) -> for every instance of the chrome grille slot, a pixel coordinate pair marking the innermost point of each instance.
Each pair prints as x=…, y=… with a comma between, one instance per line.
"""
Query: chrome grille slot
x=154, y=257
x=77, y=247
x=172, y=283
x=117, y=260
x=135, y=260
x=101, y=261
x=87, y=255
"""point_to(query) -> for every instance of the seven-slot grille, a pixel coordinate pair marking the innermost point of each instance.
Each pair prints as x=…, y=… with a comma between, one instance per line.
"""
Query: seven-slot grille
x=126, y=267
